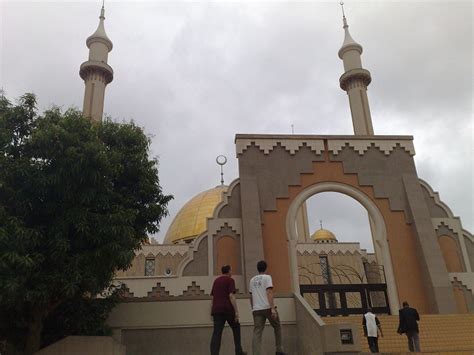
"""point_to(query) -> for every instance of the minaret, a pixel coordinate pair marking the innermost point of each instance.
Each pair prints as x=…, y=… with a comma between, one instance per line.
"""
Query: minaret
x=96, y=72
x=355, y=81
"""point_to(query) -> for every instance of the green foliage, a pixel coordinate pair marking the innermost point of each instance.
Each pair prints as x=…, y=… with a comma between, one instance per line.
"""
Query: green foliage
x=79, y=316
x=76, y=199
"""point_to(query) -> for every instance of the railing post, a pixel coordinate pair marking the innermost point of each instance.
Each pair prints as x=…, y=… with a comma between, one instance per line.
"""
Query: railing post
x=342, y=297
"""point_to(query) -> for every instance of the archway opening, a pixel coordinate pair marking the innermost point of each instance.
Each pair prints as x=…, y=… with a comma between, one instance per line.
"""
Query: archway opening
x=339, y=252
x=340, y=214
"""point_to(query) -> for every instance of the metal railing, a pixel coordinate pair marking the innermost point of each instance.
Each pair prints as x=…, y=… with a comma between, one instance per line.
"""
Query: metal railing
x=346, y=299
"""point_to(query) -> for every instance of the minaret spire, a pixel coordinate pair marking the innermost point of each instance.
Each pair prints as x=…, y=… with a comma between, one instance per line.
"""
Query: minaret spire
x=344, y=21
x=95, y=72
x=355, y=81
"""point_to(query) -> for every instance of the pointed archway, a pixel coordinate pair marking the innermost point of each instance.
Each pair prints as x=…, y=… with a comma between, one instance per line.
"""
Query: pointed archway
x=379, y=232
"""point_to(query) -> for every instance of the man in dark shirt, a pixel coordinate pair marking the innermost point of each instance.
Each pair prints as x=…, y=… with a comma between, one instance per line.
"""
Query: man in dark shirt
x=408, y=324
x=224, y=309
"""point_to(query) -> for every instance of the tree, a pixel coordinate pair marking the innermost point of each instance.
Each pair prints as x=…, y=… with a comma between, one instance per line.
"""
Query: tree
x=77, y=198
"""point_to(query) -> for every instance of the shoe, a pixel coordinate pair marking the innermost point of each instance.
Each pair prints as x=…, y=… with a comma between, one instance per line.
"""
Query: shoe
x=280, y=353
x=243, y=353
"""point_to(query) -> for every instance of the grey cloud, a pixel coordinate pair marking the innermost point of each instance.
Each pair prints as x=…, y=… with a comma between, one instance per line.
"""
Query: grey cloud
x=194, y=74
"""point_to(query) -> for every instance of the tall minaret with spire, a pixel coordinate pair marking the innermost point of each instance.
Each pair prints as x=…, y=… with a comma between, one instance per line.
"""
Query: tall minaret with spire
x=96, y=73
x=355, y=81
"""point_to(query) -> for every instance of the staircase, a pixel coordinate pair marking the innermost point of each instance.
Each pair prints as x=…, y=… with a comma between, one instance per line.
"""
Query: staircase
x=439, y=334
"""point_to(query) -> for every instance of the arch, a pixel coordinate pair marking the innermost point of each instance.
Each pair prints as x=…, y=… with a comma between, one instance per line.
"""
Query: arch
x=227, y=253
x=379, y=233
x=435, y=196
x=198, y=249
x=451, y=255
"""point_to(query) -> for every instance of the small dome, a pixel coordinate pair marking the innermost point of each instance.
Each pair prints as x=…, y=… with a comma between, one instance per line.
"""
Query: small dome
x=323, y=235
x=191, y=219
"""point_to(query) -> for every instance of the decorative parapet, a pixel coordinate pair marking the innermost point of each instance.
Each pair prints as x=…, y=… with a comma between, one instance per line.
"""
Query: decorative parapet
x=293, y=143
x=362, y=145
x=435, y=196
x=193, y=290
x=125, y=291
x=465, y=279
x=158, y=291
x=164, y=249
x=334, y=248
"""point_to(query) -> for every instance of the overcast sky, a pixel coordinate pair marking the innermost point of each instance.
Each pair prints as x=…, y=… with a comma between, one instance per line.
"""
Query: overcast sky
x=196, y=73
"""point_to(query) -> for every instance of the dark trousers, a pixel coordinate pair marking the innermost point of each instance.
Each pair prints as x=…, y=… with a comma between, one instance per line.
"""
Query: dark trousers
x=413, y=341
x=219, y=322
x=373, y=344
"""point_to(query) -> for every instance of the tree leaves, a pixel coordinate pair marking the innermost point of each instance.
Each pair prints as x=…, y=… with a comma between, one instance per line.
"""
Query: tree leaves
x=76, y=199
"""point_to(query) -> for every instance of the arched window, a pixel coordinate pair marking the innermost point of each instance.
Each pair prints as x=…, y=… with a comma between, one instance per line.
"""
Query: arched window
x=451, y=256
x=227, y=253
x=149, y=266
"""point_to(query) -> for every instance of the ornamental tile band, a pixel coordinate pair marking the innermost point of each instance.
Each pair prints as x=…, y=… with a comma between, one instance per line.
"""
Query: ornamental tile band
x=164, y=249
x=361, y=146
x=352, y=248
x=290, y=145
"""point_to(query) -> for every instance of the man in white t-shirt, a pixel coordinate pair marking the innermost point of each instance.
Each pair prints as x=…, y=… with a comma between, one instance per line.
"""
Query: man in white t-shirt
x=371, y=326
x=261, y=290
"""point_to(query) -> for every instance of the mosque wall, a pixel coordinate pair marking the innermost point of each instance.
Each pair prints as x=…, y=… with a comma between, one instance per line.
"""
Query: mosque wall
x=470, y=249
x=232, y=207
x=198, y=266
x=147, y=327
x=435, y=210
x=376, y=168
x=226, y=250
x=460, y=300
x=159, y=287
x=165, y=260
x=373, y=271
x=250, y=223
x=451, y=253
x=344, y=268
x=309, y=268
x=407, y=270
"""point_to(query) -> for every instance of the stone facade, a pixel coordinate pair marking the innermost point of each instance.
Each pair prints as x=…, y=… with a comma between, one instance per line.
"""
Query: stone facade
x=421, y=245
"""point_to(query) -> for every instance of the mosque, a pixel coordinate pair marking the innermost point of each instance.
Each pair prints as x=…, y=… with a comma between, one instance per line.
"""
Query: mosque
x=421, y=251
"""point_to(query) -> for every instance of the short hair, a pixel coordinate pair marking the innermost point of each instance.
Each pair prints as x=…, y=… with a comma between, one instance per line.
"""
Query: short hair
x=369, y=309
x=262, y=266
x=405, y=304
x=225, y=269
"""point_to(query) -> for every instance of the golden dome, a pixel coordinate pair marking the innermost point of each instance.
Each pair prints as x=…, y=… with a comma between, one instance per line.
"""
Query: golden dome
x=191, y=219
x=323, y=235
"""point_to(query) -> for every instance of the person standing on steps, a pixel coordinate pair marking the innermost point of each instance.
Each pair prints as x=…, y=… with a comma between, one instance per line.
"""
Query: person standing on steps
x=371, y=329
x=224, y=309
x=408, y=324
x=263, y=308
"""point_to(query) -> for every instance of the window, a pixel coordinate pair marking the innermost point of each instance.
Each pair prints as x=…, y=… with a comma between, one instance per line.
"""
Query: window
x=323, y=261
x=149, y=267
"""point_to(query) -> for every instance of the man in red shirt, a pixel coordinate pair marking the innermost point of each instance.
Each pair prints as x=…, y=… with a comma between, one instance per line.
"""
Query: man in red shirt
x=224, y=309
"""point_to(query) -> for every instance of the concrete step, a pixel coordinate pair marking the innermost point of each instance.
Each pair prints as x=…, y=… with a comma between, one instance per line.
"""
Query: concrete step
x=439, y=334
